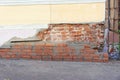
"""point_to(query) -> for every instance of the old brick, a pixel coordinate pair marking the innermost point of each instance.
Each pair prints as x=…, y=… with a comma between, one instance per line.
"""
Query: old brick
x=48, y=52
x=67, y=58
x=86, y=46
x=39, y=45
x=26, y=57
x=6, y=56
x=4, y=49
x=88, y=59
x=28, y=46
x=26, y=51
x=47, y=57
x=63, y=33
x=75, y=57
x=90, y=51
x=57, y=58
x=49, y=45
x=36, y=57
x=18, y=46
x=59, y=49
x=15, y=51
x=38, y=51
x=48, y=48
x=105, y=59
x=64, y=37
x=97, y=60
x=105, y=55
x=96, y=56
x=62, y=45
x=13, y=56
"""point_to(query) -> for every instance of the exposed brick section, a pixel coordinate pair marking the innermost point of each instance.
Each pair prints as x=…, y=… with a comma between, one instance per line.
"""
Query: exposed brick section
x=62, y=42
x=84, y=33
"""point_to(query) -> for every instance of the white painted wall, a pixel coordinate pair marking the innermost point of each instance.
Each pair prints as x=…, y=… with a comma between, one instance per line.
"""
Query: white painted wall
x=22, y=31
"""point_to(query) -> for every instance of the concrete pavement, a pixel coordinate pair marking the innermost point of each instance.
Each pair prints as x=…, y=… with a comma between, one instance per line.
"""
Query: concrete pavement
x=47, y=70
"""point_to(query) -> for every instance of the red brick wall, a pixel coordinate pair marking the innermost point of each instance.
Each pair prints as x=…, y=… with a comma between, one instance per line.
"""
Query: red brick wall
x=52, y=52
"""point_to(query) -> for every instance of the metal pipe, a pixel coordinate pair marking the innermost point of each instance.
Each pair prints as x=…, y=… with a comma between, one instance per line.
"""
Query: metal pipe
x=108, y=22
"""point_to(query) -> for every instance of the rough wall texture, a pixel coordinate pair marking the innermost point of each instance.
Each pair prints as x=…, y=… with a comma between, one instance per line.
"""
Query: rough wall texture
x=62, y=42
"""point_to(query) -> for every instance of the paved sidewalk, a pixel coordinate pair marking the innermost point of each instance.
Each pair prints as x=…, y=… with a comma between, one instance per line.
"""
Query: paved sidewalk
x=47, y=70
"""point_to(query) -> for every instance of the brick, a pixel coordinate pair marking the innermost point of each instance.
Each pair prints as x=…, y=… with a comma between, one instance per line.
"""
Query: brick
x=75, y=57
x=6, y=56
x=26, y=57
x=36, y=57
x=39, y=45
x=78, y=59
x=105, y=55
x=40, y=35
x=60, y=49
x=96, y=56
x=105, y=59
x=26, y=51
x=57, y=58
x=63, y=54
x=67, y=49
x=60, y=28
x=47, y=58
x=63, y=33
x=3, y=53
x=39, y=51
x=49, y=45
x=85, y=55
x=4, y=49
x=15, y=51
x=13, y=56
x=64, y=37
x=97, y=60
x=82, y=50
x=48, y=48
x=90, y=51
x=22, y=54
x=86, y=46
x=88, y=59
x=18, y=46
x=67, y=59
x=61, y=45
x=28, y=46
x=50, y=54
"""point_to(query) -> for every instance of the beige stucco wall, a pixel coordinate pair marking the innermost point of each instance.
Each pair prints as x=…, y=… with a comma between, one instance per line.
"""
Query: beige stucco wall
x=44, y=14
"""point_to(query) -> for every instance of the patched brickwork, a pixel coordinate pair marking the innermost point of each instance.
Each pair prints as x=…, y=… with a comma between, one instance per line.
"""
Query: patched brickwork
x=53, y=52
x=62, y=42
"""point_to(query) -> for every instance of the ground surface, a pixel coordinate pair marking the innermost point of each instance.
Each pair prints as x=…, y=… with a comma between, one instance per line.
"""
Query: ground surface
x=43, y=70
